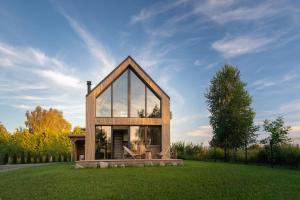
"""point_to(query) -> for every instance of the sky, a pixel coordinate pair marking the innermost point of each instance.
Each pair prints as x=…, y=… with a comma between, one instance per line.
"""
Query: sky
x=49, y=49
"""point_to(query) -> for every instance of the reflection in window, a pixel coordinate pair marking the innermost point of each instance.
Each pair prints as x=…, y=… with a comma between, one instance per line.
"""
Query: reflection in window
x=103, y=104
x=153, y=104
x=137, y=90
x=137, y=136
x=154, y=135
x=103, y=142
x=120, y=96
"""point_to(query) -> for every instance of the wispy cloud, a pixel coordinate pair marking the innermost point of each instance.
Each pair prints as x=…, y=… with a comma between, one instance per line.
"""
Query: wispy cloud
x=155, y=10
x=201, y=131
x=94, y=46
x=231, y=47
x=61, y=79
x=228, y=10
x=266, y=83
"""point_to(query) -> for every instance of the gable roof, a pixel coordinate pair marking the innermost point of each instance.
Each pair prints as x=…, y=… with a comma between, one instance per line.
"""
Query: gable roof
x=129, y=58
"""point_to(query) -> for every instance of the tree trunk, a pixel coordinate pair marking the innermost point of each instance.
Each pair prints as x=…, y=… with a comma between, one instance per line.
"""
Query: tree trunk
x=246, y=154
x=271, y=148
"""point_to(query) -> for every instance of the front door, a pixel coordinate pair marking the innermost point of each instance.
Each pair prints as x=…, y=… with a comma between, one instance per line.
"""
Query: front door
x=120, y=139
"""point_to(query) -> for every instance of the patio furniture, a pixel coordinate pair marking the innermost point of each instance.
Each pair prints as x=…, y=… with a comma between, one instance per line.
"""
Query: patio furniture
x=129, y=152
x=163, y=153
x=148, y=154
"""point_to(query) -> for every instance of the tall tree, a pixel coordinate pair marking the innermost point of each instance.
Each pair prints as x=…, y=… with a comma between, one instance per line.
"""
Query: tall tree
x=278, y=134
x=230, y=106
x=41, y=121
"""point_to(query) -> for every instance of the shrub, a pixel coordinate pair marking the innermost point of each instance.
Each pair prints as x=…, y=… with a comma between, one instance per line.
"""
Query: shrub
x=286, y=155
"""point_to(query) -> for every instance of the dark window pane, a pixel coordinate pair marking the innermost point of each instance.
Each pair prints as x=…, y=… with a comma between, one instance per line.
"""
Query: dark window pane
x=120, y=96
x=137, y=136
x=103, y=104
x=153, y=135
x=153, y=105
x=137, y=91
x=103, y=142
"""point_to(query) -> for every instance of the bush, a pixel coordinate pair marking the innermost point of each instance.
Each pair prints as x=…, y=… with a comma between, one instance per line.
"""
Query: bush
x=285, y=155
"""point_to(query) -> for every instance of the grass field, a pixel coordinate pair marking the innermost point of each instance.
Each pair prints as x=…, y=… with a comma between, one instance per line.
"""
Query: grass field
x=195, y=180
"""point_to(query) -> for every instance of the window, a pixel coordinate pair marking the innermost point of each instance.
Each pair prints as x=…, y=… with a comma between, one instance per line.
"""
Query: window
x=137, y=90
x=103, y=104
x=114, y=101
x=120, y=96
x=103, y=143
x=154, y=135
x=153, y=105
x=147, y=135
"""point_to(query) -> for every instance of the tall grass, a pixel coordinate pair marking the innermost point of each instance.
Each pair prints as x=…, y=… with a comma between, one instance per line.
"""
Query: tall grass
x=284, y=155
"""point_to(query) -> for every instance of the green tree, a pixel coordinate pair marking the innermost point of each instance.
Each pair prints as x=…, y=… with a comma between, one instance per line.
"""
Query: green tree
x=5, y=146
x=278, y=134
x=77, y=130
x=230, y=106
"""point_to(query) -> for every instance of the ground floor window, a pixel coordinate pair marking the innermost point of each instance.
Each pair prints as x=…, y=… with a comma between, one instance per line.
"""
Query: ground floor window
x=103, y=143
x=140, y=139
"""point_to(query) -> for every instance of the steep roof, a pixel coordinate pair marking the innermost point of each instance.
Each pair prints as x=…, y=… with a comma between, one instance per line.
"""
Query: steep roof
x=134, y=64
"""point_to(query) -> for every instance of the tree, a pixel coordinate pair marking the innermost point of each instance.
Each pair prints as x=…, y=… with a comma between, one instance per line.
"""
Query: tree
x=250, y=138
x=50, y=129
x=230, y=106
x=278, y=134
x=5, y=138
x=41, y=120
x=77, y=130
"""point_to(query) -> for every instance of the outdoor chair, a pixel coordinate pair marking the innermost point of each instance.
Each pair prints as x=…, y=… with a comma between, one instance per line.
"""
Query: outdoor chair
x=129, y=152
x=163, y=153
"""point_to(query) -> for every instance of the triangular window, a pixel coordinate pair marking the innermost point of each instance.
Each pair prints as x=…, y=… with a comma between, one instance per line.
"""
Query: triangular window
x=128, y=96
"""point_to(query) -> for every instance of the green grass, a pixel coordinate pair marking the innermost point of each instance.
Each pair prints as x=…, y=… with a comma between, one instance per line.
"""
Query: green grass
x=195, y=180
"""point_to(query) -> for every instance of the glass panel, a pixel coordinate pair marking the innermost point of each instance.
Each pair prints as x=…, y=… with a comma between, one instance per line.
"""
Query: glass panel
x=137, y=137
x=153, y=105
x=103, y=142
x=120, y=96
x=137, y=107
x=103, y=104
x=153, y=135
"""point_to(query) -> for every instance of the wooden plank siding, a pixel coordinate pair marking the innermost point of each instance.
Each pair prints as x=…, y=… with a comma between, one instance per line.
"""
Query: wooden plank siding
x=92, y=120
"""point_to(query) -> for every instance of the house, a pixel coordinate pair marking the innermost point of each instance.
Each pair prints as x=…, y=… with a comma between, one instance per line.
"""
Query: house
x=127, y=115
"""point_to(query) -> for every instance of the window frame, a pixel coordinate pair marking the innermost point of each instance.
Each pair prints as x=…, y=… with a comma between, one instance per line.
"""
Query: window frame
x=129, y=70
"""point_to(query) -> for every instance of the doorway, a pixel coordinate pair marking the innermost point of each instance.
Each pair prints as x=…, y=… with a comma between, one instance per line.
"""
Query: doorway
x=120, y=139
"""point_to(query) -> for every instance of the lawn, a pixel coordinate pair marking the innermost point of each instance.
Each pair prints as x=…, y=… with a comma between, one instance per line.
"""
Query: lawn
x=195, y=180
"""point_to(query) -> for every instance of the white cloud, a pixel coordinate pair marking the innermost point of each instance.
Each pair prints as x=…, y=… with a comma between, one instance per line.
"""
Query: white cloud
x=186, y=119
x=155, y=10
x=265, y=83
x=201, y=131
x=95, y=47
x=21, y=106
x=231, y=47
x=228, y=10
x=60, y=79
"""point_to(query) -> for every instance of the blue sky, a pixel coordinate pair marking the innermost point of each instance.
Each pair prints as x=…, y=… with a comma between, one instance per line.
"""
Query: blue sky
x=48, y=49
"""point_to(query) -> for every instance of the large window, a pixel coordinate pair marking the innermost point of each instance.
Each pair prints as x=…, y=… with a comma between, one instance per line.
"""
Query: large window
x=137, y=90
x=120, y=96
x=147, y=135
x=103, y=143
x=128, y=91
x=154, y=135
x=103, y=104
x=153, y=105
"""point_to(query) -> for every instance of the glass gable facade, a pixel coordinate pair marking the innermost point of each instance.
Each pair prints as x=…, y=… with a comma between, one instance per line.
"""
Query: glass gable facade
x=128, y=96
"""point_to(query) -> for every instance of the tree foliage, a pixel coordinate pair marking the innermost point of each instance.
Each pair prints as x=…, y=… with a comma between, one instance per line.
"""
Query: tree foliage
x=230, y=106
x=46, y=134
x=278, y=132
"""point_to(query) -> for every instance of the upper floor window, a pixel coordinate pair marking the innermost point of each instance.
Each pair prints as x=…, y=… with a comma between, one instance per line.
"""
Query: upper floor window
x=103, y=104
x=128, y=96
x=120, y=96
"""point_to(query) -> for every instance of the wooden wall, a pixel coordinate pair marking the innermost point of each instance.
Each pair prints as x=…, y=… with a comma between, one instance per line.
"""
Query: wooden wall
x=92, y=120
